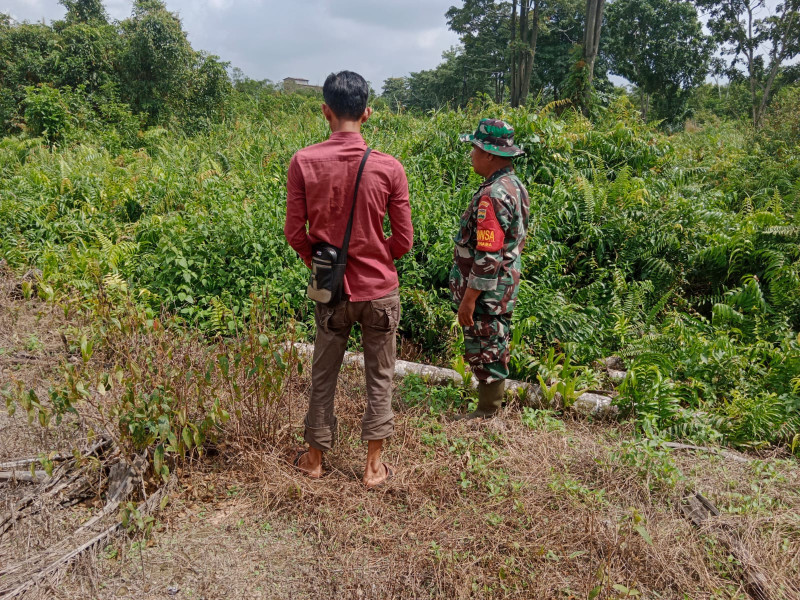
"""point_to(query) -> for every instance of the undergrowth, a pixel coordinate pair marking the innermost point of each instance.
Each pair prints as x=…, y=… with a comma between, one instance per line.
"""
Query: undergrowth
x=680, y=254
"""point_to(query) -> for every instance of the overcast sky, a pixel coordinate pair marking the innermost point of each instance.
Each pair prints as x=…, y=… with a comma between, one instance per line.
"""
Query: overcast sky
x=273, y=39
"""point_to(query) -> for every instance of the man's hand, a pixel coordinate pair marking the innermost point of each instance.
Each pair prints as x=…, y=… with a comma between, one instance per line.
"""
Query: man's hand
x=467, y=307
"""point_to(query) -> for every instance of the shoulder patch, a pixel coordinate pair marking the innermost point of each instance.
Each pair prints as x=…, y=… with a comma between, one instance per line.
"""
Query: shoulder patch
x=482, y=206
x=490, y=236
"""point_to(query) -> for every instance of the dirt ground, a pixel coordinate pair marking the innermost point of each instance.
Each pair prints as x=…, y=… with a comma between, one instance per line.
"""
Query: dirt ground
x=526, y=505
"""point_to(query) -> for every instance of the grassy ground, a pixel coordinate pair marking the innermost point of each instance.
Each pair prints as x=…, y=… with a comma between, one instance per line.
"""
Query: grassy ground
x=526, y=505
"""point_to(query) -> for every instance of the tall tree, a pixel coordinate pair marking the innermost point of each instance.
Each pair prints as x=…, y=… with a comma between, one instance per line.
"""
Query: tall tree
x=395, y=92
x=746, y=28
x=524, y=37
x=591, y=44
x=561, y=33
x=483, y=28
x=451, y=83
x=500, y=39
x=658, y=45
x=157, y=60
x=25, y=60
x=88, y=47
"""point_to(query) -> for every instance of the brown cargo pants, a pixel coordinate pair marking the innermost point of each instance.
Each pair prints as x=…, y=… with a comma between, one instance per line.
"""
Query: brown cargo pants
x=379, y=319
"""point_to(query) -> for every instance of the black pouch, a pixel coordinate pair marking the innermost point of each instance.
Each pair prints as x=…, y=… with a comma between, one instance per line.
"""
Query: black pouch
x=327, y=274
x=328, y=263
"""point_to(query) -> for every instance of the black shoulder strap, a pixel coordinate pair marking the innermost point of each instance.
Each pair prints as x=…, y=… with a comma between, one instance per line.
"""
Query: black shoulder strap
x=346, y=241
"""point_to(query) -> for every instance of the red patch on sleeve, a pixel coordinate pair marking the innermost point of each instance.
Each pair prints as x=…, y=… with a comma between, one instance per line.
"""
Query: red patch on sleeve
x=490, y=235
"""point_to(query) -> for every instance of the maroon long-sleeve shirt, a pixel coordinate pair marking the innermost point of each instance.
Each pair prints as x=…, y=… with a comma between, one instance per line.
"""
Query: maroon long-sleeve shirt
x=320, y=194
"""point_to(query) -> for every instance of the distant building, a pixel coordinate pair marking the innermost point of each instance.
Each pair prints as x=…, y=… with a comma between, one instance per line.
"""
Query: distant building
x=295, y=84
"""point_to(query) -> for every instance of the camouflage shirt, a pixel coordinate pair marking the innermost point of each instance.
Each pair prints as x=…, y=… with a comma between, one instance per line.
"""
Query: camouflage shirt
x=489, y=244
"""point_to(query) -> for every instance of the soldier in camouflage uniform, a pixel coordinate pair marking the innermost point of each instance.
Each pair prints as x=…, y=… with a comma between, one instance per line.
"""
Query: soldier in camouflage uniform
x=485, y=277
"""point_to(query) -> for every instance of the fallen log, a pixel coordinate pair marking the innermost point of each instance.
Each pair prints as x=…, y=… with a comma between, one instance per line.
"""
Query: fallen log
x=69, y=482
x=53, y=560
x=26, y=476
x=586, y=405
x=700, y=511
x=22, y=463
x=724, y=453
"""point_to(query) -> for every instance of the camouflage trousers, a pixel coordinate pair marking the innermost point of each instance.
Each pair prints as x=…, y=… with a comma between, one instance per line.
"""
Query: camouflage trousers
x=486, y=346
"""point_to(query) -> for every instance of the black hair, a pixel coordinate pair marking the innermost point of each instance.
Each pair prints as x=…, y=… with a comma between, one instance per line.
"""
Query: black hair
x=346, y=94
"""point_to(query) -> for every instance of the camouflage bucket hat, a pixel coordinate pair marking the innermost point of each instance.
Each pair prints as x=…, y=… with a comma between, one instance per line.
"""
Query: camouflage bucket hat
x=495, y=137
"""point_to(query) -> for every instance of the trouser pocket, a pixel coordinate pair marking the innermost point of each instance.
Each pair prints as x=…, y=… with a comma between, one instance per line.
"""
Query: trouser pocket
x=385, y=313
x=330, y=318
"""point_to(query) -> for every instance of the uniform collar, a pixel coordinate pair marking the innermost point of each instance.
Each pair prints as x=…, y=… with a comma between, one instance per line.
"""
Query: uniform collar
x=499, y=173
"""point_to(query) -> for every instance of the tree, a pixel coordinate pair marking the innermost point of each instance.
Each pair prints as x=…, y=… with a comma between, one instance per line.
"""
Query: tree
x=483, y=27
x=524, y=36
x=84, y=11
x=591, y=44
x=658, y=45
x=25, y=51
x=744, y=27
x=500, y=41
x=209, y=88
x=157, y=59
x=85, y=54
x=451, y=83
x=395, y=92
x=561, y=33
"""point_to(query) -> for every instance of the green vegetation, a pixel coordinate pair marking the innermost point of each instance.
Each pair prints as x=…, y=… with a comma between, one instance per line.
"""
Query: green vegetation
x=149, y=285
x=679, y=253
x=135, y=172
x=83, y=75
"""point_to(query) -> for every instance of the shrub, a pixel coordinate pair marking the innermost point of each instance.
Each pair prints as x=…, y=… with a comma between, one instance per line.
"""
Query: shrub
x=47, y=113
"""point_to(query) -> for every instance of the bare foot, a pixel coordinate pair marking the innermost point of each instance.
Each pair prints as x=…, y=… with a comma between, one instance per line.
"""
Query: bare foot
x=373, y=477
x=310, y=463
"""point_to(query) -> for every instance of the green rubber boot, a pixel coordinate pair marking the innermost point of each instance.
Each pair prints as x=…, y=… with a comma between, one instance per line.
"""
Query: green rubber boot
x=490, y=399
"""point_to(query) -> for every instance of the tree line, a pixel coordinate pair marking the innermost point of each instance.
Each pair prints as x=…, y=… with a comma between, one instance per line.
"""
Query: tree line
x=85, y=71
x=567, y=49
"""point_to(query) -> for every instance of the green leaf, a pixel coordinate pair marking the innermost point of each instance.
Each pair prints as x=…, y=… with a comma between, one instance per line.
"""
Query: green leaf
x=595, y=592
x=187, y=438
x=224, y=364
x=158, y=458
x=643, y=532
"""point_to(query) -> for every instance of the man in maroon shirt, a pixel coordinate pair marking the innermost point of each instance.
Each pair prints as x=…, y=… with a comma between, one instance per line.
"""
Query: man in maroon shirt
x=320, y=192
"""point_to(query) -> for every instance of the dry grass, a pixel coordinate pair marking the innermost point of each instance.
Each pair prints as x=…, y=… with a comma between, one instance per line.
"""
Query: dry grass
x=498, y=509
x=31, y=349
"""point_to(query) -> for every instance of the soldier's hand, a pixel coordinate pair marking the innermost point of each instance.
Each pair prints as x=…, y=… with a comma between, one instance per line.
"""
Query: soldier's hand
x=465, y=310
x=467, y=307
